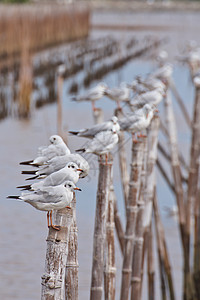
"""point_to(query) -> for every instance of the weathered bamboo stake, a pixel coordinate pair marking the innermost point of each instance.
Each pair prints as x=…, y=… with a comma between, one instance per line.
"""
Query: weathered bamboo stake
x=162, y=248
x=150, y=264
x=134, y=189
x=165, y=176
x=100, y=230
x=196, y=267
x=109, y=268
x=98, y=116
x=53, y=279
x=180, y=102
x=194, y=157
x=71, y=273
x=118, y=225
x=178, y=187
x=168, y=156
x=122, y=160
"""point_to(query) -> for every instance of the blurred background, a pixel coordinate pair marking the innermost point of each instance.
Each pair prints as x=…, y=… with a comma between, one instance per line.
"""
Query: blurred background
x=110, y=41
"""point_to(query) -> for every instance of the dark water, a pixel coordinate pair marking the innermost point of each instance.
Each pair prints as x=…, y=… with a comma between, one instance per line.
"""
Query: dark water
x=23, y=229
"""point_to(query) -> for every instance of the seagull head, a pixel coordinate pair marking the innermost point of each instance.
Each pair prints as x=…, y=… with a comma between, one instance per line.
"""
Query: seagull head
x=114, y=120
x=73, y=166
x=55, y=139
x=71, y=186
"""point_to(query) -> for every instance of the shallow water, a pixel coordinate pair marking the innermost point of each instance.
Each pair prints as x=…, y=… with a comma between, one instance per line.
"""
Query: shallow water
x=23, y=229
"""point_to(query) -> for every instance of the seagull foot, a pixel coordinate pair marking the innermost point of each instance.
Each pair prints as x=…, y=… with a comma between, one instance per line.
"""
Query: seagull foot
x=56, y=227
x=68, y=207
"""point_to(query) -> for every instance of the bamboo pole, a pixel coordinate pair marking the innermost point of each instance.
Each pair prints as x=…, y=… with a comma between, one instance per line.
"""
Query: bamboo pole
x=196, y=266
x=98, y=116
x=118, y=225
x=134, y=189
x=110, y=269
x=162, y=248
x=100, y=230
x=194, y=156
x=179, y=190
x=122, y=160
x=53, y=279
x=138, y=241
x=180, y=103
x=71, y=274
x=150, y=265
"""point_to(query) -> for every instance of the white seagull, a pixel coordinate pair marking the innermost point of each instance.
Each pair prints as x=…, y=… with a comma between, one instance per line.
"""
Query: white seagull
x=59, y=162
x=138, y=121
x=163, y=73
x=92, y=95
x=119, y=94
x=50, y=198
x=152, y=97
x=92, y=131
x=57, y=147
x=69, y=172
x=102, y=143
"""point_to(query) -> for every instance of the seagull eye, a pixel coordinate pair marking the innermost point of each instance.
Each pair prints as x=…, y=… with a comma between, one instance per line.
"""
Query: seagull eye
x=68, y=166
x=73, y=167
x=54, y=139
x=70, y=185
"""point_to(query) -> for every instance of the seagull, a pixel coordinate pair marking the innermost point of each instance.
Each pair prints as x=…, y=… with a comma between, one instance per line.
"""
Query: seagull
x=57, y=147
x=59, y=162
x=119, y=94
x=69, y=172
x=50, y=198
x=138, y=121
x=151, y=97
x=102, y=143
x=92, y=131
x=92, y=95
x=163, y=73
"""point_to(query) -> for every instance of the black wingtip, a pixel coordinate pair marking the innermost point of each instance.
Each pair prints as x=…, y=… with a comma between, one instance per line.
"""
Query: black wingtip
x=80, y=150
x=74, y=132
x=26, y=187
x=12, y=197
x=32, y=178
x=29, y=172
x=28, y=162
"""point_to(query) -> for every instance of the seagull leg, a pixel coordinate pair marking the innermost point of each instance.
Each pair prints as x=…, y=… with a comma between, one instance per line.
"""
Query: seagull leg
x=118, y=105
x=93, y=106
x=53, y=226
x=141, y=135
x=48, y=219
x=68, y=207
x=134, y=139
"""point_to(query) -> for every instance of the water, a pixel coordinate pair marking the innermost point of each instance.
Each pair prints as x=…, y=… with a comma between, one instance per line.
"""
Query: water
x=23, y=229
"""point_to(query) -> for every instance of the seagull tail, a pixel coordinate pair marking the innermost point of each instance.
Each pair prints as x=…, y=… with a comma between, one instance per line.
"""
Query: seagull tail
x=25, y=187
x=74, y=132
x=80, y=150
x=28, y=162
x=32, y=178
x=29, y=172
x=12, y=197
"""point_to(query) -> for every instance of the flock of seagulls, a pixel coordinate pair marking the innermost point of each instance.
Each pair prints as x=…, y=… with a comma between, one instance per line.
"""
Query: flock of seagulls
x=57, y=170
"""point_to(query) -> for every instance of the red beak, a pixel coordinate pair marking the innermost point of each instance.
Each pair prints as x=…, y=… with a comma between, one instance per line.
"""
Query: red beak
x=77, y=189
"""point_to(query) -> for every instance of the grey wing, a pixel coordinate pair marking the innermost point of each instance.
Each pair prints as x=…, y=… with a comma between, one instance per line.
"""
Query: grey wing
x=126, y=122
x=91, y=132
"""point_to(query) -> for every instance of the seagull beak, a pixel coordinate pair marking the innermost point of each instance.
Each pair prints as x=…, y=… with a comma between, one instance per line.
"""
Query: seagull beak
x=80, y=170
x=77, y=189
x=156, y=110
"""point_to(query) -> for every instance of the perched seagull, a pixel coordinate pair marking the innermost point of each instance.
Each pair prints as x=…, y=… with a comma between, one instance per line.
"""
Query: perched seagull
x=119, y=94
x=57, y=147
x=59, y=162
x=138, y=121
x=50, y=198
x=102, y=143
x=152, y=97
x=92, y=131
x=152, y=83
x=69, y=172
x=92, y=95
x=163, y=73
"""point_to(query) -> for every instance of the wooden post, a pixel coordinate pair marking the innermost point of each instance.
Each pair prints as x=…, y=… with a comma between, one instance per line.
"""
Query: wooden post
x=134, y=189
x=71, y=276
x=118, y=225
x=53, y=279
x=100, y=230
x=150, y=265
x=98, y=116
x=122, y=160
x=136, y=278
x=165, y=267
x=110, y=269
